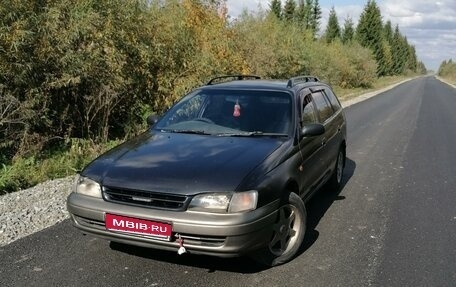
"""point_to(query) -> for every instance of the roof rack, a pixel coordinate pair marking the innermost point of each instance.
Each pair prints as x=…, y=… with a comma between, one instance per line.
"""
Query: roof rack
x=295, y=80
x=235, y=77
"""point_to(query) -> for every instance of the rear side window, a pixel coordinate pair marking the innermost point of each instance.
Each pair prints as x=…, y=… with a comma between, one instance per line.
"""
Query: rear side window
x=323, y=106
x=332, y=98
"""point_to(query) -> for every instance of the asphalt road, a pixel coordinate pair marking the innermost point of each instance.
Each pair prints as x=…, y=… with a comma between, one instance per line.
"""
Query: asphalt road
x=393, y=223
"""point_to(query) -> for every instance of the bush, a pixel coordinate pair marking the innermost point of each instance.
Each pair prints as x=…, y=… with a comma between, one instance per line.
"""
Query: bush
x=448, y=70
x=24, y=172
x=279, y=49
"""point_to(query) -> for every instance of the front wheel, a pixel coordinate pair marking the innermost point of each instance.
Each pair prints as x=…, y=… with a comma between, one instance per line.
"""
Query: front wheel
x=288, y=233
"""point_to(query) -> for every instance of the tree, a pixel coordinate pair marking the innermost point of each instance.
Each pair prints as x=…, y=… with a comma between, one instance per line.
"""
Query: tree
x=332, y=28
x=369, y=33
x=386, y=59
x=289, y=10
x=315, y=18
x=301, y=13
x=421, y=68
x=276, y=8
x=447, y=69
x=349, y=31
x=399, y=51
x=412, y=63
x=304, y=13
x=388, y=32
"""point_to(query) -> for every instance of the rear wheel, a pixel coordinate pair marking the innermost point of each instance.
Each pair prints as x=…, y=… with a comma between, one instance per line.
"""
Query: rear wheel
x=336, y=178
x=288, y=233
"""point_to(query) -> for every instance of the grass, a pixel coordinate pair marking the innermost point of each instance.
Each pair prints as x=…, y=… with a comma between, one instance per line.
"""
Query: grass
x=68, y=160
x=347, y=94
x=450, y=78
x=26, y=172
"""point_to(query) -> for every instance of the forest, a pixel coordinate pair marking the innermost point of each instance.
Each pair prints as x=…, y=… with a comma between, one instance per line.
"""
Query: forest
x=447, y=70
x=78, y=77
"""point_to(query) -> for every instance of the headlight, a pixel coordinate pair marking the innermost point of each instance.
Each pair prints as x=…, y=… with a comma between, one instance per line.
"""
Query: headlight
x=225, y=202
x=86, y=186
x=243, y=201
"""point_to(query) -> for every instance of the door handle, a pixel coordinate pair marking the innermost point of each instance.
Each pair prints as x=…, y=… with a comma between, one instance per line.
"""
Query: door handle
x=323, y=141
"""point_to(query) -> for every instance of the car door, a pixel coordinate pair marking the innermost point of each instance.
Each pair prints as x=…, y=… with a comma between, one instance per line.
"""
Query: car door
x=338, y=127
x=331, y=138
x=311, y=148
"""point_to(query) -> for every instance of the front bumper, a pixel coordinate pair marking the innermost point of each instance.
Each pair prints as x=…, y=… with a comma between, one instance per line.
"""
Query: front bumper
x=223, y=235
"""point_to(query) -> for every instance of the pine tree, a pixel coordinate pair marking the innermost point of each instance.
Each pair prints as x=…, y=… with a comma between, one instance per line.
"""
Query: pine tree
x=315, y=17
x=349, y=31
x=369, y=33
x=442, y=68
x=421, y=68
x=305, y=9
x=398, y=53
x=388, y=32
x=332, y=28
x=301, y=13
x=387, y=46
x=276, y=8
x=386, y=59
x=289, y=10
x=412, y=63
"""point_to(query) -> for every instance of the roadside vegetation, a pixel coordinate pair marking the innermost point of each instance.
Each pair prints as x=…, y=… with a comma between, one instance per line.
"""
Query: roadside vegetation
x=77, y=77
x=447, y=70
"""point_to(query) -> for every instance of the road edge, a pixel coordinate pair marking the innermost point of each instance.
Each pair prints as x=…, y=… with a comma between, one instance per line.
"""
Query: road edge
x=445, y=81
x=369, y=95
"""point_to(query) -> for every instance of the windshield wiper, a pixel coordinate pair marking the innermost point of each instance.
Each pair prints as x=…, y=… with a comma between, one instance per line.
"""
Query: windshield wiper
x=253, y=134
x=198, y=132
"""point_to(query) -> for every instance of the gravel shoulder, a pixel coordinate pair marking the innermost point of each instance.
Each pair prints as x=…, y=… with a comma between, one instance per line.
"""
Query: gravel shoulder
x=28, y=211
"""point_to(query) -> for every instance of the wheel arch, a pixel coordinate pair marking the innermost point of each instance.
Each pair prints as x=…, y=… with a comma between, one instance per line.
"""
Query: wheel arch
x=292, y=186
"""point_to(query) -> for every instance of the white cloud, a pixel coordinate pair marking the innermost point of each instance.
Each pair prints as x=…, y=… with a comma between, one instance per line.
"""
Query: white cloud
x=236, y=7
x=352, y=11
x=430, y=26
x=422, y=14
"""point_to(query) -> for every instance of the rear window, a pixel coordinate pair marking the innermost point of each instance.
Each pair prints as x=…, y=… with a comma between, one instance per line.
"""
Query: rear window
x=332, y=98
x=323, y=106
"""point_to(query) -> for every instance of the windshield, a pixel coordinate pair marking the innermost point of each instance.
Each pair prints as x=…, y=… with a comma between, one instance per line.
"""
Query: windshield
x=230, y=113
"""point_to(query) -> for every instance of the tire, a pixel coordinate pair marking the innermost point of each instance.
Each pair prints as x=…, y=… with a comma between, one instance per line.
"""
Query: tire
x=288, y=233
x=335, y=181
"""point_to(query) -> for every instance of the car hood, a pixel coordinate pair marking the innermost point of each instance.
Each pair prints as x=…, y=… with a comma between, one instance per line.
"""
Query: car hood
x=181, y=163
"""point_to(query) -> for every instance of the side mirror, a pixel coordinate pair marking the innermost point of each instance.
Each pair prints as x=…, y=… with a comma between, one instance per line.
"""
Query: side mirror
x=312, y=130
x=152, y=120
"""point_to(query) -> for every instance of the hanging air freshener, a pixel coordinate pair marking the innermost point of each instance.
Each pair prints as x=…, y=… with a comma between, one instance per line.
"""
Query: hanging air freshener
x=237, y=110
x=181, y=249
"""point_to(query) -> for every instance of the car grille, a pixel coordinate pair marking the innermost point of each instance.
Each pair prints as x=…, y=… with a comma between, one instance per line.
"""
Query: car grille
x=146, y=198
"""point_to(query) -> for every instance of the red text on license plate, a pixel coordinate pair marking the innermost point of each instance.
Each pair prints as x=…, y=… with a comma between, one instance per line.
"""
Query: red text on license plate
x=138, y=226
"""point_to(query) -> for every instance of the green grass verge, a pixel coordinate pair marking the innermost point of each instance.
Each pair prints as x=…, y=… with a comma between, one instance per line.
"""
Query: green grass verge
x=347, y=94
x=29, y=171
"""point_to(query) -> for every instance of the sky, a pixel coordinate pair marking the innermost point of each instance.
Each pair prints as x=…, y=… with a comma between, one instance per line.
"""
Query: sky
x=429, y=25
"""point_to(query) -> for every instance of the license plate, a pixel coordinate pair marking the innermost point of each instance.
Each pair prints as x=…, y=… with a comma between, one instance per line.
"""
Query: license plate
x=159, y=230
